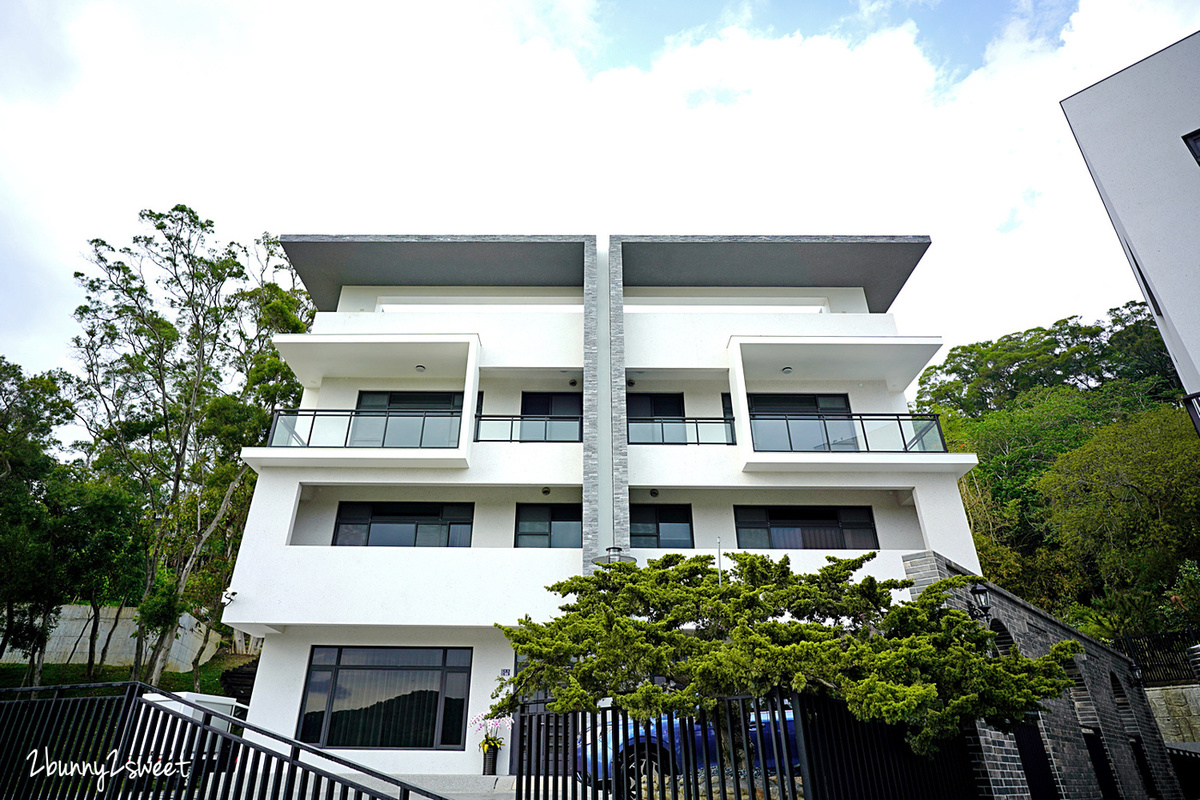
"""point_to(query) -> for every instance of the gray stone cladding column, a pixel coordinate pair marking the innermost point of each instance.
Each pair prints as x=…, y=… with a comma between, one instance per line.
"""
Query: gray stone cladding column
x=591, y=404
x=617, y=380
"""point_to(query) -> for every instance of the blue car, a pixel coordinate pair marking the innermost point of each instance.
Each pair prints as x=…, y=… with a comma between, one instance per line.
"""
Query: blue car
x=625, y=749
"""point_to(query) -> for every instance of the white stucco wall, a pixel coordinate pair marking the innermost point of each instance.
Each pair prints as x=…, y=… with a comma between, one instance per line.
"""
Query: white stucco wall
x=282, y=670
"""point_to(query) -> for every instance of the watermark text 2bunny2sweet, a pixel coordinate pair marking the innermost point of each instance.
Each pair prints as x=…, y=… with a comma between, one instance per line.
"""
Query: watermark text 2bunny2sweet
x=110, y=767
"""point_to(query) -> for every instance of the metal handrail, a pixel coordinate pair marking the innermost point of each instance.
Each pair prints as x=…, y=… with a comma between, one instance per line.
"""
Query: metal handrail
x=300, y=435
x=523, y=427
x=135, y=692
x=859, y=435
x=669, y=428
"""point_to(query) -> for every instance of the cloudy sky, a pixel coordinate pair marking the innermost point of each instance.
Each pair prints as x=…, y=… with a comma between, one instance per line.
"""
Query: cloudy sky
x=935, y=117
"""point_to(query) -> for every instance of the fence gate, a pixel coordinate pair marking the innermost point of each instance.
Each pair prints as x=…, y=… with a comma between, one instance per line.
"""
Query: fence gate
x=780, y=747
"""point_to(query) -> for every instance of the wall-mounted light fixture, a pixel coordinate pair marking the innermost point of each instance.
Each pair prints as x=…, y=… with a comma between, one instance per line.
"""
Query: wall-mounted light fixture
x=981, y=608
x=786, y=370
x=420, y=367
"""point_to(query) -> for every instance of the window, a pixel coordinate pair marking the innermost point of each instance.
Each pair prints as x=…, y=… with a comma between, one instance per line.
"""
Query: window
x=403, y=525
x=406, y=419
x=665, y=526
x=806, y=527
x=655, y=418
x=555, y=416
x=645, y=404
x=395, y=697
x=549, y=525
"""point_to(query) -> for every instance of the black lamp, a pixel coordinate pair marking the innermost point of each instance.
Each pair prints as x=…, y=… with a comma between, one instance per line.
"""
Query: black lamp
x=613, y=555
x=982, y=607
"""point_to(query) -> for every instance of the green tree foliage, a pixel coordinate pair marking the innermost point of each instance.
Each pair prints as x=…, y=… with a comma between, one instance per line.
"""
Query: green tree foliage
x=1126, y=505
x=30, y=570
x=178, y=374
x=920, y=663
x=1026, y=401
x=986, y=376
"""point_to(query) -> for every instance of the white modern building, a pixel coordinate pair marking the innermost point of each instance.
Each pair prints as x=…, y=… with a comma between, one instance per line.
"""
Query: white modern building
x=1139, y=132
x=484, y=416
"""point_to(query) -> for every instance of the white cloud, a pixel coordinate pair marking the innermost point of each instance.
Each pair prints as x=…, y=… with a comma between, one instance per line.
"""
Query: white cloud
x=473, y=117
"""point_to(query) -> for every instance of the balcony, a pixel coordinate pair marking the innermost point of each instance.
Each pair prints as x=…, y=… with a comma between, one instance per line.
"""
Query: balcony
x=681, y=430
x=359, y=428
x=528, y=428
x=847, y=433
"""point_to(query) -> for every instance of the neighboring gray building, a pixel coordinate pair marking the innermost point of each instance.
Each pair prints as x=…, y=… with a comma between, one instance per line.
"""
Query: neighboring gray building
x=1139, y=131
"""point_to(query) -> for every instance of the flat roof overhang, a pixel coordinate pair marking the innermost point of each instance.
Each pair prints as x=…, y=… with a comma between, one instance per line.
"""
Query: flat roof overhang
x=879, y=264
x=327, y=263
x=896, y=359
x=314, y=357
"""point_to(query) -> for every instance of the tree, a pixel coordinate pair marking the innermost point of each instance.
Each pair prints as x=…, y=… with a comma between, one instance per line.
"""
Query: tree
x=977, y=378
x=98, y=521
x=920, y=663
x=30, y=409
x=178, y=372
x=1126, y=505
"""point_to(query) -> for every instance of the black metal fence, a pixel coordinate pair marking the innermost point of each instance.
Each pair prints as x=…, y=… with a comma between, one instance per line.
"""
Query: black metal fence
x=781, y=747
x=1162, y=657
x=70, y=742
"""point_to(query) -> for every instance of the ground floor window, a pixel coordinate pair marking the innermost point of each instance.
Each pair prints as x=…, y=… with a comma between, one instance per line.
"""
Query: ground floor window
x=806, y=527
x=386, y=697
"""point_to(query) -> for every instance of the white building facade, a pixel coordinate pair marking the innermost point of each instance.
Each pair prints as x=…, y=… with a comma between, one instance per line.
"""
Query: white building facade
x=484, y=416
x=1139, y=132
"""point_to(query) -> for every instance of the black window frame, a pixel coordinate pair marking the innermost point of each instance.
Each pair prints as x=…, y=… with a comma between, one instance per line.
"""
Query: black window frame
x=417, y=513
x=658, y=509
x=553, y=399
x=855, y=519
x=566, y=512
x=409, y=401
x=822, y=403
x=337, y=668
x=657, y=401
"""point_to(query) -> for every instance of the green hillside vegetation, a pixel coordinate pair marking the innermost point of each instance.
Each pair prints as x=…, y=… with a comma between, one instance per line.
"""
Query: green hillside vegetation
x=1086, y=495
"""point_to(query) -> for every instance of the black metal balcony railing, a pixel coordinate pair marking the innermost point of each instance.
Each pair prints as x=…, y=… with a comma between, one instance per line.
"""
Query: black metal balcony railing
x=359, y=428
x=528, y=428
x=1192, y=403
x=681, y=430
x=847, y=433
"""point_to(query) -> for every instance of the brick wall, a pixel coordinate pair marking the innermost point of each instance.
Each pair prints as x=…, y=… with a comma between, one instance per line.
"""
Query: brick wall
x=1093, y=704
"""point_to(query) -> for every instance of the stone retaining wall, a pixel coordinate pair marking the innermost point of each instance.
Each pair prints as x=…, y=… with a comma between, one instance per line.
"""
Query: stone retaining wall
x=74, y=626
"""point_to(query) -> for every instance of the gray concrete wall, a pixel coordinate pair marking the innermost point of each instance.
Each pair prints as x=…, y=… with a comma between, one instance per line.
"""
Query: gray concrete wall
x=1177, y=711
x=74, y=626
x=1130, y=129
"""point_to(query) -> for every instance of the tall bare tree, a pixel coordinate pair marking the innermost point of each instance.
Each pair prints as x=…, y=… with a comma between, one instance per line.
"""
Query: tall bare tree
x=178, y=373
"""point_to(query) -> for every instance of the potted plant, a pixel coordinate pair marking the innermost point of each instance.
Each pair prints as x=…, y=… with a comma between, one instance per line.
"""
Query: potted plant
x=492, y=741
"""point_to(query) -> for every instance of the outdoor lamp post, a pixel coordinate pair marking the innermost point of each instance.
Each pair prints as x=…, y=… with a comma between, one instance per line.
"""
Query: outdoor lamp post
x=613, y=555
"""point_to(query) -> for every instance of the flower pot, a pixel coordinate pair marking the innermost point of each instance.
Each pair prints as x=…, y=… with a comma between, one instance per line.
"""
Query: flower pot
x=489, y=760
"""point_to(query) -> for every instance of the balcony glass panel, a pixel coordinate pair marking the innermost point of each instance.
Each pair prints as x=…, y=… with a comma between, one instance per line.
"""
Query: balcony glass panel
x=329, y=430
x=770, y=434
x=369, y=428
x=680, y=430
x=922, y=435
x=846, y=433
x=883, y=435
x=527, y=428
x=807, y=434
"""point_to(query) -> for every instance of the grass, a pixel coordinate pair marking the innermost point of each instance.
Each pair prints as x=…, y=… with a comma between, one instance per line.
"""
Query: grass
x=54, y=674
